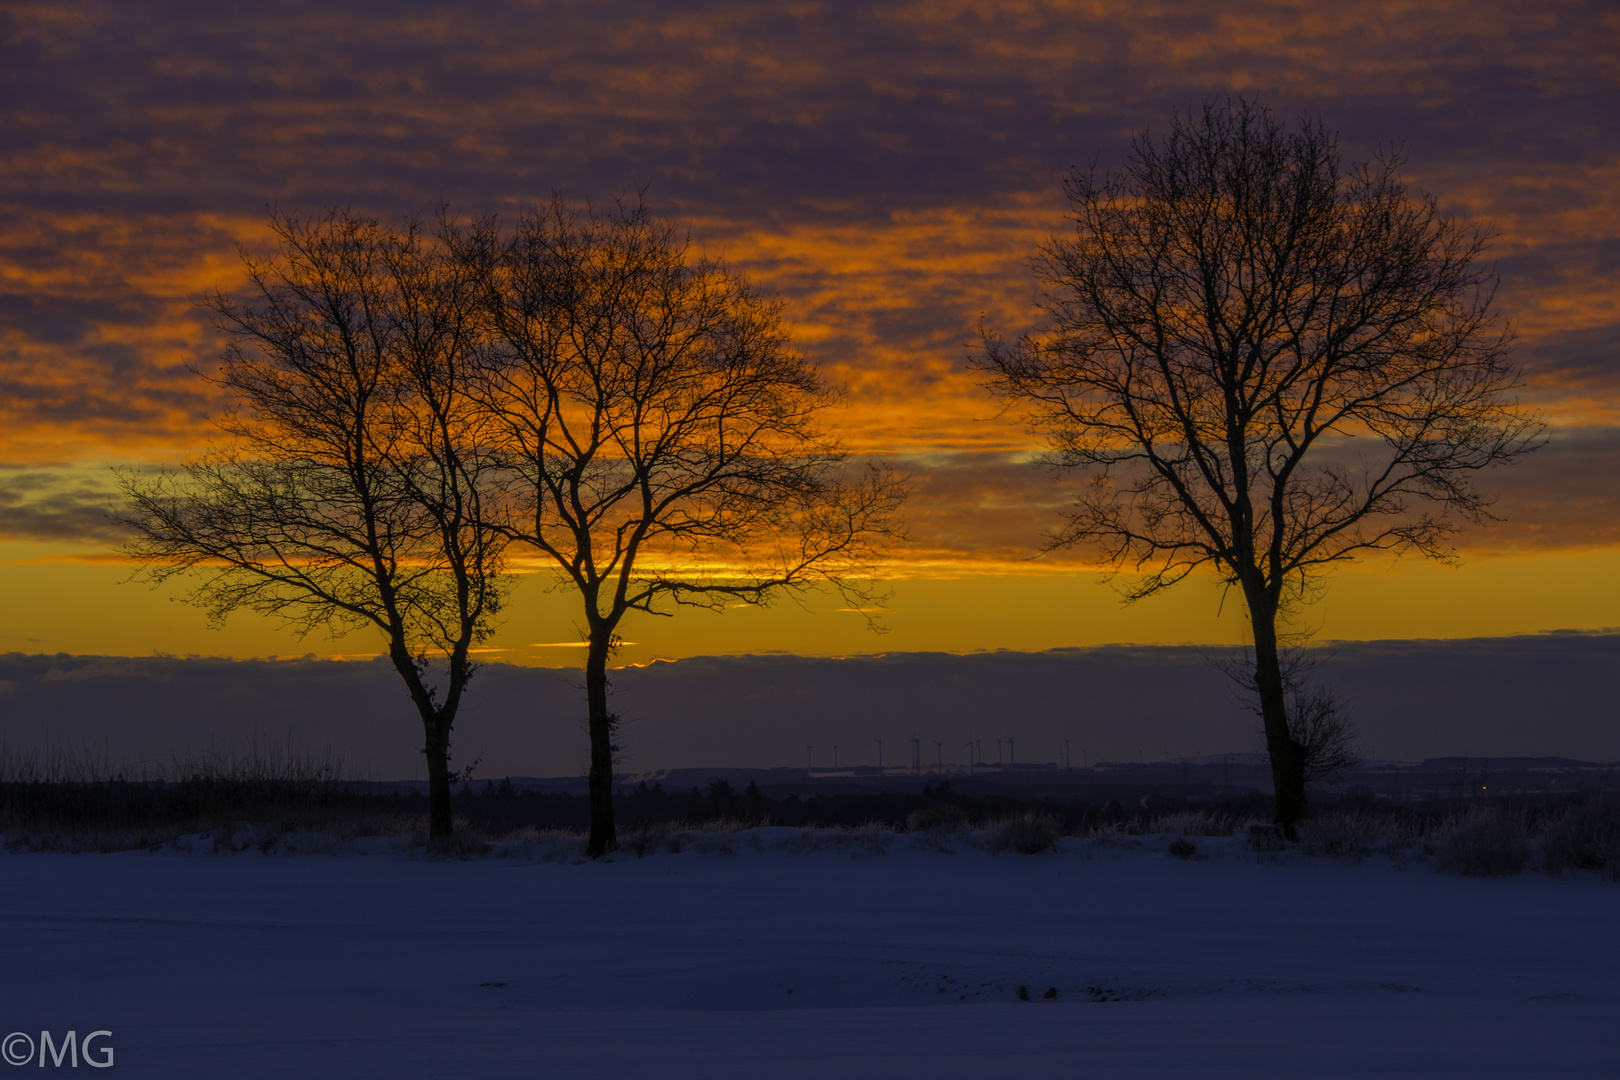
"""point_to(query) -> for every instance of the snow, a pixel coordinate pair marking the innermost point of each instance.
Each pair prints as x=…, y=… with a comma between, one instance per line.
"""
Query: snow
x=792, y=960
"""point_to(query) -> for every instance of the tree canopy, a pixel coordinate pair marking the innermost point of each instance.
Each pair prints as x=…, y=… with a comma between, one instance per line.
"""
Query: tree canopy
x=1265, y=363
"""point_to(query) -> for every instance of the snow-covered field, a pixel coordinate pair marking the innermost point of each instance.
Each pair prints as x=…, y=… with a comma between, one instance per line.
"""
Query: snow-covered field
x=812, y=963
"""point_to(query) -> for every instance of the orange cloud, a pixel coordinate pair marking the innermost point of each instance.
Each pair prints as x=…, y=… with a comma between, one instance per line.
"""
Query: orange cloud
x=888, y=170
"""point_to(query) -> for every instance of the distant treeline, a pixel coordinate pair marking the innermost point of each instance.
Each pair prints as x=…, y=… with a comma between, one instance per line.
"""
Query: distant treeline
x=500, y=809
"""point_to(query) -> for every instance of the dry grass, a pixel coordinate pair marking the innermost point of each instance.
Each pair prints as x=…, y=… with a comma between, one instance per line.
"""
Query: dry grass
x=255, y=762
x=305, y=835
x=548, y=845
x=872, y=838
x=1198, y=823
x=1482, y=841
x=650, y=837
x=1356, y=834
x=276, y=800
x=943, y=819
x=1028, y=834
x=1583, y=838
x=260, y=795
x=938, y=828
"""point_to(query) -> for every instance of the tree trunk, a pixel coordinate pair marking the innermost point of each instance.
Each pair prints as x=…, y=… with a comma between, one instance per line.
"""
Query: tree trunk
x=436, y=749
x=603, y=837
x=436, y=724
x=1287, y=777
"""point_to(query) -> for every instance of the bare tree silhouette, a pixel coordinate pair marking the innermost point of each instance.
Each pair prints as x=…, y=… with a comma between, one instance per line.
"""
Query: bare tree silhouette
x=351, y=491
x=1264, y=363
x=1321, y=730
x=665, y=442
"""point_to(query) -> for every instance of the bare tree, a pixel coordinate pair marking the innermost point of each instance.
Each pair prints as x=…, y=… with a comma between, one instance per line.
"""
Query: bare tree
x=664, y=440
x=1266, y=364
x=350, y=494
x=1321, y=730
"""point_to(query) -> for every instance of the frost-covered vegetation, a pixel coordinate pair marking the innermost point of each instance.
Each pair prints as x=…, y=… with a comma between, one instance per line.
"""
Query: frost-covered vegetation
x=273, y=801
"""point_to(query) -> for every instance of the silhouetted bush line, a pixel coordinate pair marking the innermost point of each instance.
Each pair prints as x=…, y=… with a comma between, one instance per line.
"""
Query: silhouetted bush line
x=157, y=803
x=313, y=814
x=502, y=809
x=498, y=809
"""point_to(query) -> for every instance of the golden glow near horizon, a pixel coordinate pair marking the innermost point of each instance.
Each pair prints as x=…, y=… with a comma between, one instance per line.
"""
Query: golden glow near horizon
x=93, y=609
x=887, y=172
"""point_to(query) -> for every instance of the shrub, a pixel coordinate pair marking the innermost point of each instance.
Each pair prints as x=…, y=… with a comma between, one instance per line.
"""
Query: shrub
x=647, y=837
x=1030, y=834
x=1195, y=823
x=937, y=827
x=548, y=845
x=1183, y=848
x=872, y=838
x=942, y=818
x=1352, y=834
x=464, y=843
x=1482, y=841
x=1583, y=838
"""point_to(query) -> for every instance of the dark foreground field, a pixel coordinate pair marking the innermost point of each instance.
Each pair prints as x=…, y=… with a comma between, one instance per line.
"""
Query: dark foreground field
x=790, y=953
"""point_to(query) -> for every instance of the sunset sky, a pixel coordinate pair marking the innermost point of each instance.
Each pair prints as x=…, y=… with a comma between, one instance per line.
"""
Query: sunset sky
x=888, y=169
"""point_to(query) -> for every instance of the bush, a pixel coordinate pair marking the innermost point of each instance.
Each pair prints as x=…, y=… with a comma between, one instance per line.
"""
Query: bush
x=1352, y=834
x=549, y=845
x=1030, y=834
x=942, y=818
x=1183, y=848
x=647, y=837
x=1194, y=823
x=1482, y=841
x=1583, y=838
x=464, y=843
